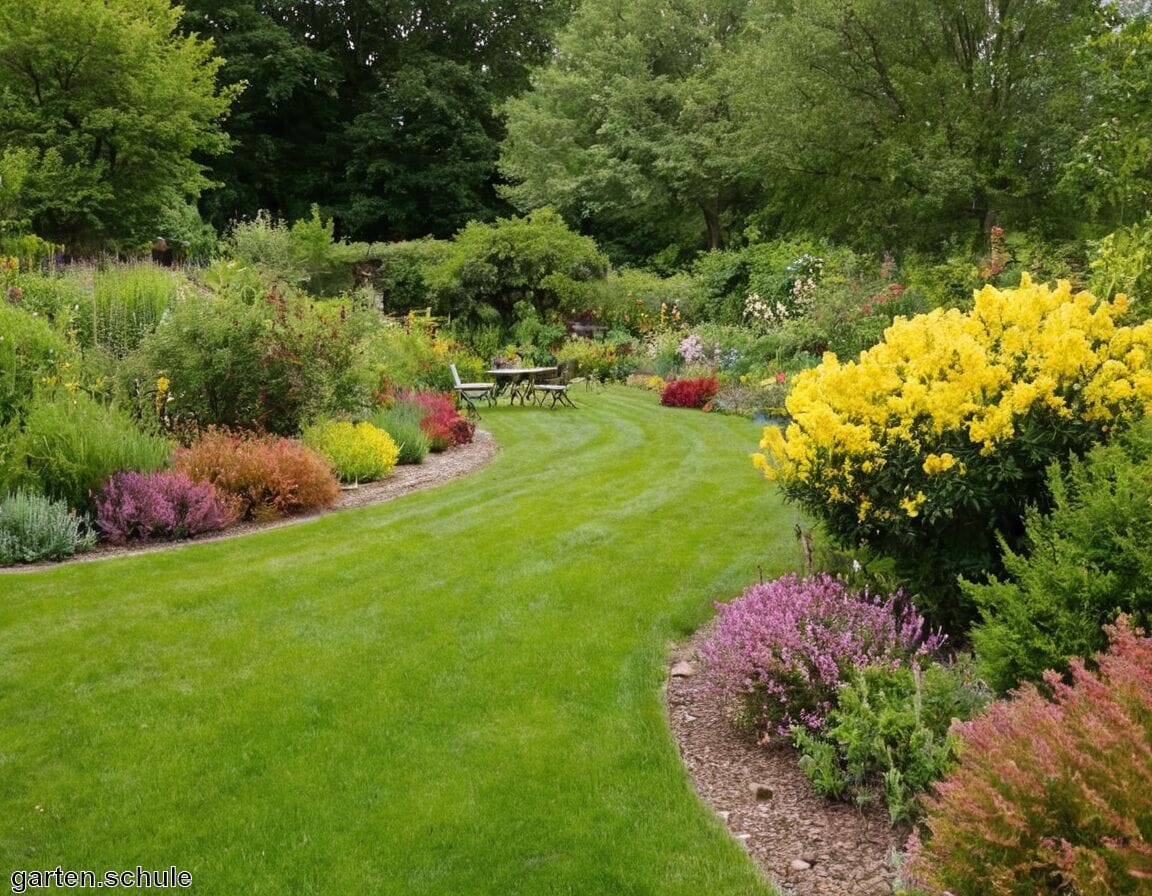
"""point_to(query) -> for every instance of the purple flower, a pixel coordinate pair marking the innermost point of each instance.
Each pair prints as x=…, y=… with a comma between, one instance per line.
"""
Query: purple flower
x=783, y=647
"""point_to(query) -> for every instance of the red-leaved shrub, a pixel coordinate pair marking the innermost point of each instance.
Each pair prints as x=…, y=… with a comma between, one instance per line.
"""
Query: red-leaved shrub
x=164, y=504
x=690, y=393
x=442, y=423
x=264, y=477
x=1051, y=796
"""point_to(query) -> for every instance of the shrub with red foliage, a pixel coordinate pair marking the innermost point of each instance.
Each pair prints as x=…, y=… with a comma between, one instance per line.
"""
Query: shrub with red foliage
x=690, y=393
x=263, y=477
x=164, y=504
x=1051, y=795
x=442, y=423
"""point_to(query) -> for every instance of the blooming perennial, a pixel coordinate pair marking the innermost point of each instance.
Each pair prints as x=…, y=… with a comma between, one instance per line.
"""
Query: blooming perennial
x=959, y=409
x=783, y=647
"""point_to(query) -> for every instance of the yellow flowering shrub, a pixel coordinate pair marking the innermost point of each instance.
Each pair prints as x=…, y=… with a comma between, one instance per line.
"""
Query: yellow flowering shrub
x=935, y=440
x=360, y=452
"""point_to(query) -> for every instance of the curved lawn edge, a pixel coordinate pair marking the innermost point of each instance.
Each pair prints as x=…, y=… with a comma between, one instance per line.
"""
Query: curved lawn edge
x=460, y=691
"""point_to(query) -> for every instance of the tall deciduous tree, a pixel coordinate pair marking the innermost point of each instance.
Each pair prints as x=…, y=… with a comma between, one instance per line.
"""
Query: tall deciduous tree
x=629, y=130
x=384, y=113
x=896, y=121
x=114, y=104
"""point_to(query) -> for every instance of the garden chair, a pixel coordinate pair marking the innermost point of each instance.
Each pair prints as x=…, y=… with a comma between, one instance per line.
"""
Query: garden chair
x=471, y=392
x=555, y=388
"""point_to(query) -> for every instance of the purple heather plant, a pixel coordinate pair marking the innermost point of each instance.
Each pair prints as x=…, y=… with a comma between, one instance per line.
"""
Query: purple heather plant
x=164, y=504
x=782, y=648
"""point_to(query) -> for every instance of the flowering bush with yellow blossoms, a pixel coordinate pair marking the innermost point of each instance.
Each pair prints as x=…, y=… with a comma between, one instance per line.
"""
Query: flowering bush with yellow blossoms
x=933, y=443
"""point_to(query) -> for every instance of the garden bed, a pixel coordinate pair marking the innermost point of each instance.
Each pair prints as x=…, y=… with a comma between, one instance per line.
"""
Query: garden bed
x=807, y=845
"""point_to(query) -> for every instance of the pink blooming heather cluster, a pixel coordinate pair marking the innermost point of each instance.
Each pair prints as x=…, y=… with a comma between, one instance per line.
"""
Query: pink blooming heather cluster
x=783, y=647
x=1051, y=795
x=165, y=504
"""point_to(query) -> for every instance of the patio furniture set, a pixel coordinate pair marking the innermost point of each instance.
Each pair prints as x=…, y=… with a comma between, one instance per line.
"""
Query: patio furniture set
x=523, y=384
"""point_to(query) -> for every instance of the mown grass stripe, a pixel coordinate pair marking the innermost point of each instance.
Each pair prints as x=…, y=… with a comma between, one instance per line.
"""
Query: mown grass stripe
x=455, y=692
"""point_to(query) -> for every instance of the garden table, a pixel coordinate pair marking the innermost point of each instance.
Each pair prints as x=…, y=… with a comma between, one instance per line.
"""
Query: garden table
x=518, y=381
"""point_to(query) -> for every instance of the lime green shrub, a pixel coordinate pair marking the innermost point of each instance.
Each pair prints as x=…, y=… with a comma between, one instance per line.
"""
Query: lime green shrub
x=939, y=437
x=1050, y=796
x=33, y=527
x=1082, y=564
x=360, y=452
x=70, y=444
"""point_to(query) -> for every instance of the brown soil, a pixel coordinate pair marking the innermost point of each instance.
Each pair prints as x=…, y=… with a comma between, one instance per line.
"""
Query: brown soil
x=760, y=793
x=807, y=845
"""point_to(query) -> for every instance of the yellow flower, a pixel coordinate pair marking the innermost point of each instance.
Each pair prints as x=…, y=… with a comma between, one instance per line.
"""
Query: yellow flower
x=938, y=463
x=911, y=506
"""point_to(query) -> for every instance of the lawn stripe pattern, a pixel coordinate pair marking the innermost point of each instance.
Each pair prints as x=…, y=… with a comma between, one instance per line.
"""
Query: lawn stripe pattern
x=457, y=692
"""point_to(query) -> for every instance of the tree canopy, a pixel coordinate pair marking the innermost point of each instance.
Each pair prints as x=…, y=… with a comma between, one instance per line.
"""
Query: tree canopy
x=384, y=113
x=108, y=105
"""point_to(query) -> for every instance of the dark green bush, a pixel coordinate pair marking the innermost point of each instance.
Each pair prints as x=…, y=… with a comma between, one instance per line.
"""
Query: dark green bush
x=274, y=364
x=33, y=527
x=535, y=258
x=1084, y=563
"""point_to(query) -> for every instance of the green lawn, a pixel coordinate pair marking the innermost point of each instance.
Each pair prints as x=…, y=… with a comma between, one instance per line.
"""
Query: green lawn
x=457, y=692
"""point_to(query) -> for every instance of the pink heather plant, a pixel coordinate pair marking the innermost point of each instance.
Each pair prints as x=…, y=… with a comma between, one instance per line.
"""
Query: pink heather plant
x=164, y=504
x=783, y=647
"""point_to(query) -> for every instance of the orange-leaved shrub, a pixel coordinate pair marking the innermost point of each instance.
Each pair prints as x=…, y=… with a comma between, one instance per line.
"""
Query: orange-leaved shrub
x=264, y=477
x=1051, y=795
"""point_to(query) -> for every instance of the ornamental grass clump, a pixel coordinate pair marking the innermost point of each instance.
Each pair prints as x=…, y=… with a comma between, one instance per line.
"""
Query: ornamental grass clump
x=1051, y=796
x=263, y=477
x=781, y=650
x=359, y=452
x=165, y=504
x=402, y=422
x=935, y=441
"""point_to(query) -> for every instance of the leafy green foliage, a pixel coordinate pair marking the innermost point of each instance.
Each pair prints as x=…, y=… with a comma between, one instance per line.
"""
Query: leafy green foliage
x=1085, y=562
x=33, y=527
x=887, y=737
x=114, y=106
x=70, y=444
x=630, y=129
x=892, y=124
x=491, y=267
x=30, y=352
x=276, y=363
